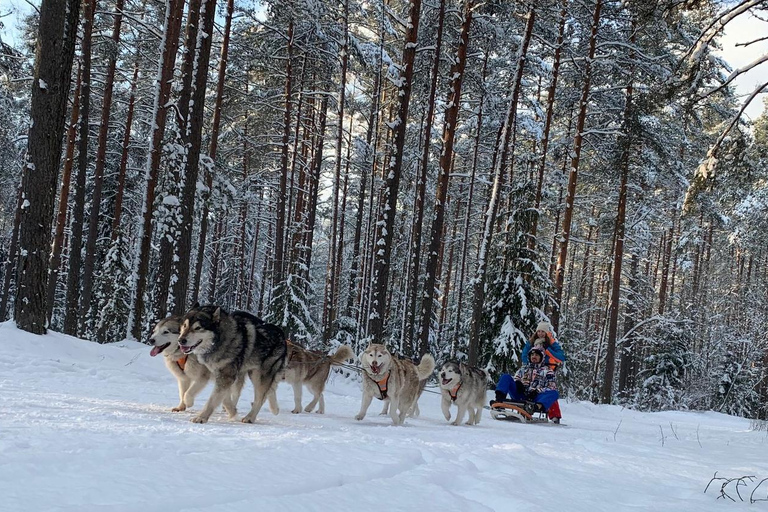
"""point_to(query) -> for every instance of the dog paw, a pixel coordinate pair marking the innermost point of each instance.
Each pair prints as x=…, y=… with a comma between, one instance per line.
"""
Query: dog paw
x=296, y=411
x=248, y=419
x=455, y=423
x=199, y=419
x=179, y=408
x=447, y=417
x=359, y=417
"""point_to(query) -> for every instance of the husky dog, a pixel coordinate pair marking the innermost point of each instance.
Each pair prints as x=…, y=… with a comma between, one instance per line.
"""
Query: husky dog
x=465, y=386
x=230, y=345
x=190, y=374
x=311, y=368
x=387, y=377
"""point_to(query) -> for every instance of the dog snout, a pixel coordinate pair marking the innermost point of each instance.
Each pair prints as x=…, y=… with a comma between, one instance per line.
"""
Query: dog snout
x=182, y=341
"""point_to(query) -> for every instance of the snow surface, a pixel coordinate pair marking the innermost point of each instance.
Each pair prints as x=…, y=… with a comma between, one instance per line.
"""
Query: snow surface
x=88, y=427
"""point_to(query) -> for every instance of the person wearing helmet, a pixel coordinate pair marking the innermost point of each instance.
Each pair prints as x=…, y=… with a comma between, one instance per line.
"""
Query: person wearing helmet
x=533, y=382
x=554, y=357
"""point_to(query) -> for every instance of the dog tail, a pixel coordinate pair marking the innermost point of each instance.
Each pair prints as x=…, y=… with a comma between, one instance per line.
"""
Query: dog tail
x=343, y=353
x=426, y=366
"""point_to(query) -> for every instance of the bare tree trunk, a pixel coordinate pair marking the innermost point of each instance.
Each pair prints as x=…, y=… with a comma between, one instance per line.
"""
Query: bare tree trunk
x=392, y=181
x=61, y=215
x=282, y=197
x=54, y=53
x=505, y=135
x=98, y=180
x=548, y=123
x=577, y=145
x=329, y=302
x=665, y=269
x=218, y=234
x=124, y=155
x=315, y=183
x=212, y=151
x=628, y=366
x=610, y=353
x=468, y=212
x=78, y=212
x=193, y=134
x=446, y=159
x=12, y=253
x=421, y=184
x=173, y=16
x=353, y=294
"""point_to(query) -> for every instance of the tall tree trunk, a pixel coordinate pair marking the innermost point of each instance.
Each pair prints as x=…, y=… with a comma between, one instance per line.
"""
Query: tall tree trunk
x=577, y=145
x=169, y=223
x=627, y=368
x=173, y=16
x=124, y=155
x=392, y=181
x=282, y=196
x=98, y=180
x=218, y=234
x=212, y=151
x=665, y=269
x=194, y=133
x=315, y=184
x=548, y=122
x=329, y=302
x=78, y=212
x=468, y=212
x=626, y=149
x=61, y=215
x=10, y=263
x=54, y=52
x=446, y=159
x=610, y=352
x=421, y=184
x=478, y=288
x=370, y=157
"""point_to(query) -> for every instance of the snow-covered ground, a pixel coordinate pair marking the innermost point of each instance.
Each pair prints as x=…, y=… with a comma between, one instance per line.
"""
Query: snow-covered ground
x=88, y=427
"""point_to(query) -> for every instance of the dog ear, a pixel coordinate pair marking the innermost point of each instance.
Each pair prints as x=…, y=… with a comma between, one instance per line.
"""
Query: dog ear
x=196, y=305
x=217, y=315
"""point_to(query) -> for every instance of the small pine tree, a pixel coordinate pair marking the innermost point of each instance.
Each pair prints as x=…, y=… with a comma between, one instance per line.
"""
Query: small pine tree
x=665, y=369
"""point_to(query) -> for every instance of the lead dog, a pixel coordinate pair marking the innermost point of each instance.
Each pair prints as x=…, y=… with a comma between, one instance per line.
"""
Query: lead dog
x=190, y=374
x=231, y=345
x=464, y=386
x=387, y=377
x=311, y=368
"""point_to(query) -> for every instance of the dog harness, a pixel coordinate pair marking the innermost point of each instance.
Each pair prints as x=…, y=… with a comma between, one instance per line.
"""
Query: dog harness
x=454, y=392
x=380, y=383
x=182, y=362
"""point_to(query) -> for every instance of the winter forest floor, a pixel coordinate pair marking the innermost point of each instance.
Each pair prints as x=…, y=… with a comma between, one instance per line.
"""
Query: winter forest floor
x=88, y=427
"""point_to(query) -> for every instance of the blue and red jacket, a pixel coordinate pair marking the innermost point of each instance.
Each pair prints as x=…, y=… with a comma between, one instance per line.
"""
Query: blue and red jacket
x=554, y=356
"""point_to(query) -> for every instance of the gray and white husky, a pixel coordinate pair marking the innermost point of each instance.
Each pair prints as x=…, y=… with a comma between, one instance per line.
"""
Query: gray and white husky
x=387, y=377
x=464, y=386
x=230, y=345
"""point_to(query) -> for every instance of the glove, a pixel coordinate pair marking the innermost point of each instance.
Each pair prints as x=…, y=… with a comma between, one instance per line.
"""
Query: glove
x=531, y=394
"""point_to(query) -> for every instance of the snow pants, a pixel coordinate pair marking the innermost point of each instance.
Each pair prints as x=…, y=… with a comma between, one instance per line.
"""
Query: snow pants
x=516, y=391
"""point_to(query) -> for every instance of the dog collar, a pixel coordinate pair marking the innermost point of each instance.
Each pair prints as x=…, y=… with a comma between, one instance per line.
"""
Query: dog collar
x=182, y=362
x=454, y=392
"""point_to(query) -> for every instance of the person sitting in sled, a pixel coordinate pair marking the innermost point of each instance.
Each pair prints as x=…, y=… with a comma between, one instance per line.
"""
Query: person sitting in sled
x=554, y=356
x=534, y=382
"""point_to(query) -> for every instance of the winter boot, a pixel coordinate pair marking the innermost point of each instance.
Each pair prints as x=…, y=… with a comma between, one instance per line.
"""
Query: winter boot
x=500, y=397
